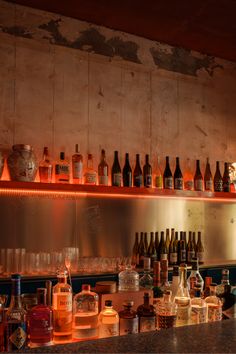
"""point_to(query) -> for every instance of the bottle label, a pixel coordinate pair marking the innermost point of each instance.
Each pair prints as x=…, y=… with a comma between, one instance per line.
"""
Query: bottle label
x=214, y=313
x=128, y=326
x=209, y=185
x=200, y=256
x=116, y=179
x=178, y=183
x=147, y=324
x=62, y=302
x=62, y=169
x=183, y=315
x=198, y=314
x=182, y=256
x=168, y=182
x=103, y=180
x=218, y=186
x=148, y=181
x=158, y=182
x=108, y=330
x=188, y=185
x=90, y=178
x=173, y=257
x=163, y=256
x=77, y=170
x=138, y=181
x=198, y=185
x=190, y=256
x=17, y=335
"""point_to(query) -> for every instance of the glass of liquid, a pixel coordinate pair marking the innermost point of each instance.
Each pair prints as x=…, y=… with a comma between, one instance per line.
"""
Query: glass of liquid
x=166, y=312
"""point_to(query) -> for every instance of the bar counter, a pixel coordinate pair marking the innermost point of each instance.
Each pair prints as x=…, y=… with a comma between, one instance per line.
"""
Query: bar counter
x=218, y=337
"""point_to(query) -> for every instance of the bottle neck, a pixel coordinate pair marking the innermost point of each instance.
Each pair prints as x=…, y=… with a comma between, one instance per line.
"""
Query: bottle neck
x=15, y=294
x=183, y=278
x=90, y=163
x=62, y=280
x=41, y=298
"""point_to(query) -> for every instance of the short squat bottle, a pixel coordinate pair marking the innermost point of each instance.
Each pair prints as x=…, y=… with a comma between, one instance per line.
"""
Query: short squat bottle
x=198, y=307
x=147, y=315
x=45, y=167
x=108, y=321
x=214, y=305
x=62, y=170
x=128, y=279
x=128, y=319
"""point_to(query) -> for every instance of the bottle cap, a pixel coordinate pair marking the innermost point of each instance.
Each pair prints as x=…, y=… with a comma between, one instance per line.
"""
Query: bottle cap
x=62, y=155
x=108, y=303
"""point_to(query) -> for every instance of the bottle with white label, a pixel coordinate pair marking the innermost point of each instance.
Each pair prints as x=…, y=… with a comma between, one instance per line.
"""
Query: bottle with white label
x=147, y=315
x=182, y=299
x=103, y=170
x=62, y=309
x=116, y=175
x=178, y=177
x=77, y=166
x=90, y=175
x=128, y=319
x=108, y=321
x=198, y=307
x=167, y=176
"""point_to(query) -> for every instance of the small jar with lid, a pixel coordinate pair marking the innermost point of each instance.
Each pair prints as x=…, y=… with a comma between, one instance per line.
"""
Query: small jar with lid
x=22, y=163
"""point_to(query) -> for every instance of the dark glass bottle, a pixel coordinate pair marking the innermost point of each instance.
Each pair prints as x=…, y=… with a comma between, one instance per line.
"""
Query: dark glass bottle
x=190, y=249
x=208, y=180
x=127, y=172
x=178, y=177
x=218, y=181
x=147, y=315
x=173, y=250
x=226, y=178
x=167, y=176
x=157, y=292
x=142, y=251
x=229, y=303
x=182, y=249
x=138, y=176
x=146, y=241
x=162, y=251
x=147, y=173
x=200, y=249
x=152, y=249
x=116, y=171
x=135, y=254
x=168, y=239
x=194, y=241
x=157, y=243
x=198, y=180
x=128, y=319
x=103, y=170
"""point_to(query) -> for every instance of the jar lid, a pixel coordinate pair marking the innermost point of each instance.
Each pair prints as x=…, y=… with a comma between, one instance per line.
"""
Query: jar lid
x=22, y=147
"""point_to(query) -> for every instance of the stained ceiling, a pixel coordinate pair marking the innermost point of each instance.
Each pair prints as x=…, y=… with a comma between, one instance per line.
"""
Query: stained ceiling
x=208, y=26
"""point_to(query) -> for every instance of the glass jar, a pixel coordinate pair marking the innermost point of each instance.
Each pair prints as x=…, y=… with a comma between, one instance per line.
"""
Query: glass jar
x=128, y=279
x=22, y=163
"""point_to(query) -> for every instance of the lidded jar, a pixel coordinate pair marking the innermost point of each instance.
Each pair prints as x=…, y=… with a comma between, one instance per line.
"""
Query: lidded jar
x=22, y=163
x=128, y=279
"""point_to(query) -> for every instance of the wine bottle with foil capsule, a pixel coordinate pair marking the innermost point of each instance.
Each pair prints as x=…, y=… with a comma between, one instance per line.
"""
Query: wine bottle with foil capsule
x=147, y=173
x=116, y=175
x=138, y=175
x=127, y=172
x=218, y=180
x=178, y=177
x=198, y=180
x=208, y=180
x=167, y=176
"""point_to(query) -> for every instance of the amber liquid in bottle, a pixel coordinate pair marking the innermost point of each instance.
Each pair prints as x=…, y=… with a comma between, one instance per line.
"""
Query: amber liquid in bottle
x=45, y=167
x=77, y=166
x=116, y=175
x=128, y=319
x=147, y=315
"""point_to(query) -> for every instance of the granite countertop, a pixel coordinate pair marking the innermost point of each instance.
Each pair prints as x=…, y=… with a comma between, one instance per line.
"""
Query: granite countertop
x=218, y=337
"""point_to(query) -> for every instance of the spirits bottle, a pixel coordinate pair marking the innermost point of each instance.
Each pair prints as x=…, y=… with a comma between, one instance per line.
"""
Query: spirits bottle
x=147, y=173
x=108, y=321
x=138, y=176
x=103, y=170
x=167, y=176
x=128, y=279
x=190, y=249
x=146, y=242
x=206, y=292
x=200, y=249
x=157, y=243
x=116, y=175
x=188, y=177
x=195, y=278
x=147, y=315
x=15, y=327
x=218, y=181
x=226, y=178
x=45, y=167
x=158, y=176
x=198, y=180
x=146, y=281
x=162, y=251
x=90, y=175
x=224, y=281
x=229, y=303
x=62, y=309
x=173, y=250
x=178, y=177
x=62, y=170
x=166, y=311
x=198, y=307
x=40, y=321
x=128, y=319
x=165, y=285
x=85, y=314
x=175, y=281
x=157, y=292
x=135, y=254
x=182, y=299
x=182, y=256
x=127, y=172
x=151, y=252
x=214, y=305
x=77, y=166
x=142, y=251
x=208, y=180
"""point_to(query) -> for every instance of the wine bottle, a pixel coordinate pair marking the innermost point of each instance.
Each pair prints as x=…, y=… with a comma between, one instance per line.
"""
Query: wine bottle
x=158, y=176
x=135, y=254
x=77, y=166
x=146, y=240
x=147, y=173
x=157, y=242
x=200, y=249
x=162, y=251
x=103, y=170
x=152, y=249
x=182, y=249
x=198, y=180
x=226, y=178
x=218, y=181
x=127, y=172
x=208, y=180
x=116, y=171
x=190, y=249
x=178, y=177
x=188, y=177
x=173, y=251
x=168, y=239
x=142, y=251
x=167, y=177
x=138, y=176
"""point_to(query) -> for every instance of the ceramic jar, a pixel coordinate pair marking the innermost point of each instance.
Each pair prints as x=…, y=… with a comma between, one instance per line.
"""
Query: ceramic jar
x=22, y=163
x=1, y=164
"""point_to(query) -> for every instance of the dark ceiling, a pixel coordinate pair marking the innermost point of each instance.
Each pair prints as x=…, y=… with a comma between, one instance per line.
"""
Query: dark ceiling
x=208, y=26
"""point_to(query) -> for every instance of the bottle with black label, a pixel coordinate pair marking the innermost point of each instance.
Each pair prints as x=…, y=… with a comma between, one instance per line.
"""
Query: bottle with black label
x=128, y=319
x=167, y=176
x=138, y=176
x=173, y=250
x=208, y=180
x=218, y=181
x=178, y=177
x=226, y=178
x=190, y=249
x=147, y=173
x=127, y=172
x=198, y=180
x=116, y=175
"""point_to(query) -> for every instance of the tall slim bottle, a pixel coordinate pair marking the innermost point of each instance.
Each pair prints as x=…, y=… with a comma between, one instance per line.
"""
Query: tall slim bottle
x=178, y=177
x=147, y=173
x=158, y=179
x=226, y=178
x=182, y=299
x=152, y=250
x=116, y=175
x=103, y=170
x=208, y=180
x=218, y=180
x=138, y=176
x=198, y=180
x=173, y=250
x=135, y=253
x=167, y=176
x=188, y=177
x=90, y=174
x=142, y=251
x=157, y=243
x=200, y=249
x=127, y=172
x=45, y=167
x=190, y=249
x=77, y=166
x=162, y=250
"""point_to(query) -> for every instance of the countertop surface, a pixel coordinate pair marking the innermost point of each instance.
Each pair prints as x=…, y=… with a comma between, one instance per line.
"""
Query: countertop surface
x=218, y=337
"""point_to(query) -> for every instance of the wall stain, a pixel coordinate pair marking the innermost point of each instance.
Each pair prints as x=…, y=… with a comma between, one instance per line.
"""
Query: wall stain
x=183, y=61
x=201, y=130
x=17, y=31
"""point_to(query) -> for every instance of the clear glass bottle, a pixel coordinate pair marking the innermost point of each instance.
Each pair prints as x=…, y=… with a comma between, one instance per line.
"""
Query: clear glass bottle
x=178, y=177
x=90, y=175
x=147, y=173
x=224, y=281
x=15, y=326
x=214, y=305
x=62, y=170
x=103, y=170
x=218, y=180
x=147, y=315
x=175, y=281
x=40, y=321
x=116, y=175
x=128, y=279
x=198, y=307
x=200, y=249
x=188, y=177
x=138, y=176
x=195, y=278
x=45, y=167
x=77, y=166
x=208, y=180
x=62, y=309
x=127, y=172
x=166, y=311
x=158, y=179
x=108, y=321
x=146, y=281
x=85, y=314
x=167, y=176
x=128, y=319
x=182, y=299
x=198, y=180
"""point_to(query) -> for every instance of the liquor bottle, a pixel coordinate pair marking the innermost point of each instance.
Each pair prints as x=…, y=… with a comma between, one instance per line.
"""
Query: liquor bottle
x=173, y=250
x=108, y=321
x=135, y=254
x=85, y=314
x=224, y=281
x=127, y=172
x=146, y=281
x=142, y=251
x=178, y=177
x=162, y=251
x=167, y=176
x=40, y=321
x=138, y=176
x=208, y=180
x=175, y=281
x=182, y=256
x=190, y=249
x=90, y=175
x=15, y=325
x=128, y=319
x=103, y=170
x=214, y=305
x=168, y=239
x=151, y=252
x=62, y=309
x=157, y=292
x=188, y=177
x=77, y=166
x=128, y=279
x=229, y=303
x=116, y=175
x=198, y=307
x=158, y=180
x=198, y=180
x=165, y=285
x=182, y=299
x=157, y=243
x=200, y=249
x=147, y=315
x=195, y=278
x=45, y=167
x=206, y=292
x=226, y=178
x=218, y=181
x=62, y=170
x=147, y=173
x=146, y=242
x=166, y=311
